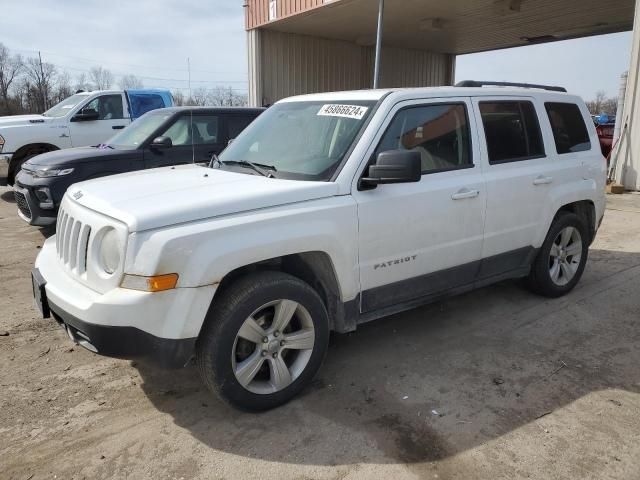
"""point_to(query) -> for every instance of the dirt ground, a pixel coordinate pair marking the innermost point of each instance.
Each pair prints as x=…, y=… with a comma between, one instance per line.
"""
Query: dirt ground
x=498, y=383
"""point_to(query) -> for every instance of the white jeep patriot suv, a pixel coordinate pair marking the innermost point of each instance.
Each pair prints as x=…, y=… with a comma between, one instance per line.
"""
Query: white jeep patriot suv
x=328, y=211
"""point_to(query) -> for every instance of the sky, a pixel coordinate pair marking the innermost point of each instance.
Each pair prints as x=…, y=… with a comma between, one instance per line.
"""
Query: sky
x=152, y=39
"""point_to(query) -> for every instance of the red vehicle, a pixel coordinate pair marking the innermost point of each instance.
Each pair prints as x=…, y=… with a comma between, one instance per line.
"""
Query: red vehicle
x=605, y=134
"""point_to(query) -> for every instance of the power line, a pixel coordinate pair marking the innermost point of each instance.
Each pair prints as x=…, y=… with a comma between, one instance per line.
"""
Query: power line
x=94, y=61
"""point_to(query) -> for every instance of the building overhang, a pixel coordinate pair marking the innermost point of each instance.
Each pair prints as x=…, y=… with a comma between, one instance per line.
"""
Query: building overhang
x=460, y=26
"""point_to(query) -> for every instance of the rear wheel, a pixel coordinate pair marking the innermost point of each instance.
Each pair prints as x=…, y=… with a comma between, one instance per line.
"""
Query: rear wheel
x=562, y=258
x=264, y=341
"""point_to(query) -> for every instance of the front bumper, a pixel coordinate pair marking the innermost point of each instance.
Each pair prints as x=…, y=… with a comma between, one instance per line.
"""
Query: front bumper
x=162, y=327
x=125, y=342
x=29, y=208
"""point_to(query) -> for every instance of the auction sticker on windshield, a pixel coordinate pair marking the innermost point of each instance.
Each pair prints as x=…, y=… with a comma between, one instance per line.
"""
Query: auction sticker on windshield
x=347, y=111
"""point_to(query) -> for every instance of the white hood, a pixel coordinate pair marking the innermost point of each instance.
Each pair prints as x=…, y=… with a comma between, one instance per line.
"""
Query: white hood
x=159, y=197
x=13, y=120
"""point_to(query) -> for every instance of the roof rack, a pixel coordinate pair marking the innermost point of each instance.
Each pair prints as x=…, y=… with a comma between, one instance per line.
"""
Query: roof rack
x=479, y=83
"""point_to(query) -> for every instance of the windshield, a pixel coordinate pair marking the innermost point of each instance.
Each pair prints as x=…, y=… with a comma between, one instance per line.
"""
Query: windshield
x=62, y=108
x=302, y=140
x=138, y=132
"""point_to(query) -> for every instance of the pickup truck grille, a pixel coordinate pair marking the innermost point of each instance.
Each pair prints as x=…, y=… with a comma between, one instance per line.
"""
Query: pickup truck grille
x=22, y=203
x=72, y=242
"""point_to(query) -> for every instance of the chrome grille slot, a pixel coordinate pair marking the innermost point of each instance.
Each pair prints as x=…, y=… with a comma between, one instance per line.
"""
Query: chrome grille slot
x=73, y=248
x=60, y=234
x=77, y=235
x=83, y=248
x=67, y=240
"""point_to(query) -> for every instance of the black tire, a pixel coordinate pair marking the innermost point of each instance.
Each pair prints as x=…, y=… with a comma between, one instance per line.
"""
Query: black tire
x=16, y=166
x=540, y=280
x=216, y=344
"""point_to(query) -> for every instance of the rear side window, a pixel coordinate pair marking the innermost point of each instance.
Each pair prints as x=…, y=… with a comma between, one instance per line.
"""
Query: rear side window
x=439, y=132
x=237, y=123
x=569, y=131
x=512, y=131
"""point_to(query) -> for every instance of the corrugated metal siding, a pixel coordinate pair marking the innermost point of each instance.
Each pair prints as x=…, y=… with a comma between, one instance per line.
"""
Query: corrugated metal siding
x=285, y=64
x=628, y=153
x=405, y=67
x=257, y=11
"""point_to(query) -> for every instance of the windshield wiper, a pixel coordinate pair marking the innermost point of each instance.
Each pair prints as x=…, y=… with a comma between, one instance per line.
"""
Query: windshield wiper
x=257, y=167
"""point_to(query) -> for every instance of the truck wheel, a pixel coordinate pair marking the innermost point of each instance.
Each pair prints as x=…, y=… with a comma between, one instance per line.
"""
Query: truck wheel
x=16, y=166
x=562, y=258
x=264, y=340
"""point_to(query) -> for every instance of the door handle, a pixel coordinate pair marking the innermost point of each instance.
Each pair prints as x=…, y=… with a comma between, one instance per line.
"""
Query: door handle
x=117, y=127
x=465, y=193
x=542, y=180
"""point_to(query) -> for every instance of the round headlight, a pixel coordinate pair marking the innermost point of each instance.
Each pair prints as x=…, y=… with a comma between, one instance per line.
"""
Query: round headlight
x=110, y=251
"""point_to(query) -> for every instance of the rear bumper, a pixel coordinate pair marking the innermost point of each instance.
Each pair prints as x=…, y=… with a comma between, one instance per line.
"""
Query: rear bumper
x=125, y=342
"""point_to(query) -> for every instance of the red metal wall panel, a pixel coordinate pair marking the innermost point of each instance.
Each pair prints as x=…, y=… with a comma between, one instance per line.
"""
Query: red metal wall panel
x=257, y=11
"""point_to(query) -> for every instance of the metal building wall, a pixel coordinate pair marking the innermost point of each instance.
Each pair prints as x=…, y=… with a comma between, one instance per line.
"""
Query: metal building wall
x=285, y=64
x=257, y=11
x=628, y=153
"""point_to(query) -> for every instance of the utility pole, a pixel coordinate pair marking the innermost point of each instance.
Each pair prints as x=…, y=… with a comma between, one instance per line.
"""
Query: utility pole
x=189, y=71
x=43, y=84
x=376, y=69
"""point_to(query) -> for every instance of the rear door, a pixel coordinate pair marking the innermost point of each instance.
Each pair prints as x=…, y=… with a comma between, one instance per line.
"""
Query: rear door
x=521, y=169
x=420, y=239
x=111, y=110
x=209, y=135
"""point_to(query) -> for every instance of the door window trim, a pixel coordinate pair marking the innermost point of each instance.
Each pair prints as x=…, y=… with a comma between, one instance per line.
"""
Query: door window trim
x=472, y=164
x=516, y=159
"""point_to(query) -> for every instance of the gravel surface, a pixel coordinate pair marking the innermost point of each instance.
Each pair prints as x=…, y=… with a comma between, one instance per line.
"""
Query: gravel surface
x=493, y=384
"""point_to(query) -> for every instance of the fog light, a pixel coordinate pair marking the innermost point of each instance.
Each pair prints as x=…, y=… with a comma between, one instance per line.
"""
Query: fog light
x=43, y=194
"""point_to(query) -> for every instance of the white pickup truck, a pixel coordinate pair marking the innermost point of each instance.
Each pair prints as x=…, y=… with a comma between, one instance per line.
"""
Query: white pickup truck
x=84, y=119
x=328, y=211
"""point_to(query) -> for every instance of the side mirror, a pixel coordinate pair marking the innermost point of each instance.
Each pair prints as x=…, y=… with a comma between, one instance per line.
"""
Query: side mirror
x=161, y=142
x=85, y=114
x=394, y=166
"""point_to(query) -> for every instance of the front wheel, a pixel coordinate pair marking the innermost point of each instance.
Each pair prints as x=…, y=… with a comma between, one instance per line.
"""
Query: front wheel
x=264, y=340
x=562, y=257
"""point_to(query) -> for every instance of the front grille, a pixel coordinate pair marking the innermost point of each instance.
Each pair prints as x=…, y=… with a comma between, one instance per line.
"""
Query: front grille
x=22, y=203
x=72, y=240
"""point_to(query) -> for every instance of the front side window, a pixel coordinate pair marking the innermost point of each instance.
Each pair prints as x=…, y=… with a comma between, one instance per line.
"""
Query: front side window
x=65, y=106
x=180, y=131
x=439, y=132
x=302, y=140
x=512, y=131
x=138, y=132
x=109, y=107
x=569, y=130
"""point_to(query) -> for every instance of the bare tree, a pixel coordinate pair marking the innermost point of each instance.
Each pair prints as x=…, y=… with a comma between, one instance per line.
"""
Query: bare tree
x=82, y=83
x=178, y=98
x=101, y=78
x=200, y=97
x=63, y=87
x=602, y=104
x=10, y=68
x=40, y=76
x=130, y=81
x=595, y=106
x=225, y=97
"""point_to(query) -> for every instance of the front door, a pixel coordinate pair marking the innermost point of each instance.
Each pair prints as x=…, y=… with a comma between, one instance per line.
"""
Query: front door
x=111, y=119
x=194, y=137
x=420, y=239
